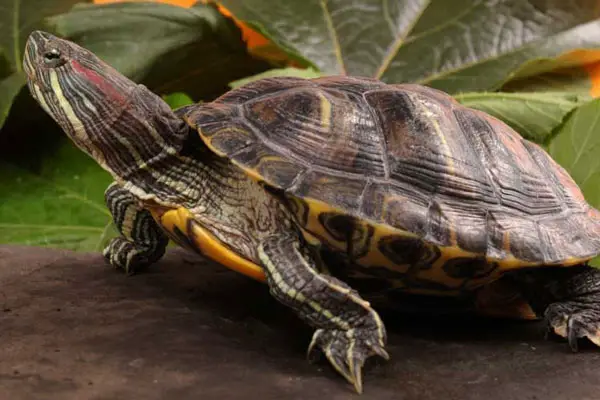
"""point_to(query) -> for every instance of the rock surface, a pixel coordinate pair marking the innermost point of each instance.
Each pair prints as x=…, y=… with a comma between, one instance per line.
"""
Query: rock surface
x=73, y=328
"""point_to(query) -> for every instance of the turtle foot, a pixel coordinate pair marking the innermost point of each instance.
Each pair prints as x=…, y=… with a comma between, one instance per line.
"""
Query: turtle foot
x=573, y=321
x=129, y=257
x=348, y=350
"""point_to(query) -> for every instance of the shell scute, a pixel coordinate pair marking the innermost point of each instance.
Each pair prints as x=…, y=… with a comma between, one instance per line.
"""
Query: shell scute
x=471, y=231
x=314, y=126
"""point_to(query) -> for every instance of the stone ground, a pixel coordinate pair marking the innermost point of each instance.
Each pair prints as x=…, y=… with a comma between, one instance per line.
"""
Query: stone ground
x=73, y=328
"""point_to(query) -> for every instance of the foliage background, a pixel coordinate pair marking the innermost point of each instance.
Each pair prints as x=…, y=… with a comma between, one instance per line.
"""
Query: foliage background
x=543, y=78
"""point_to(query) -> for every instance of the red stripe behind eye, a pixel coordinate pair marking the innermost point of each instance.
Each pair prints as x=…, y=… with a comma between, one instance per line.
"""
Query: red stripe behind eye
x=100, y=82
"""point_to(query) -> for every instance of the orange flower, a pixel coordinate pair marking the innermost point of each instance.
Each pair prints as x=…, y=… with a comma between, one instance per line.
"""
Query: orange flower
x=593, y=71
x=252, y=38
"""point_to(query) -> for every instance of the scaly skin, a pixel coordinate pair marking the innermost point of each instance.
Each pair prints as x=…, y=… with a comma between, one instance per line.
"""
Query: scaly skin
x=142, y=241
x=348, y=329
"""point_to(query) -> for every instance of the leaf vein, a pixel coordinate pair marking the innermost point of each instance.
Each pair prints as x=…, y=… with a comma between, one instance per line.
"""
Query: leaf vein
x=397, y=43
x=334, y=37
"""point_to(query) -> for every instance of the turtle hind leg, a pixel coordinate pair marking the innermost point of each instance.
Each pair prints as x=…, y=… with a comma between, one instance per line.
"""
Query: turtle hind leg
x=569, y=300
x=142, y=241
x=348, y=329
x=573, y=320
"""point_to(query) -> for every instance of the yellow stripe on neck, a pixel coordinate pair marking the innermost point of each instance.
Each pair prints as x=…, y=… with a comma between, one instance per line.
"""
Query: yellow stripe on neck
x=65, y=105
x=79, y=132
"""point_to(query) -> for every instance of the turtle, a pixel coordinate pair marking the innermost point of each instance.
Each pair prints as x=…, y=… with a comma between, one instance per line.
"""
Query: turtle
x=336, y=192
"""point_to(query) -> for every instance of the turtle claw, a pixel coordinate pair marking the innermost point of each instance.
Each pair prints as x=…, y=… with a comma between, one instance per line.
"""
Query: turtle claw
x=573, y=322
x=347, y=351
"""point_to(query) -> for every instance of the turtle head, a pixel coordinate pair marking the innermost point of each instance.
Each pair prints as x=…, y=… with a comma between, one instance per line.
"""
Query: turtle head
x=110, y=117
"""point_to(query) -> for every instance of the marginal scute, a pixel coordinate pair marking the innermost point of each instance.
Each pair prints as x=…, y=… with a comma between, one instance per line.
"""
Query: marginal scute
x=471, y=232
x=406, y=214
x=564, y=236
x=469, y=267
x=408, y=251
x=440, y=228
x=350, y=229
x=211, y=118
x=526, y=243
x=230, y=139
x=339, y=226
x=280, y=172
x=340, y=192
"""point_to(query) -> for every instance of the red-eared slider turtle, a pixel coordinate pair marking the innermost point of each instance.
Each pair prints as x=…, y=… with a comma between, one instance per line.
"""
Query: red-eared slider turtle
x=315, y=184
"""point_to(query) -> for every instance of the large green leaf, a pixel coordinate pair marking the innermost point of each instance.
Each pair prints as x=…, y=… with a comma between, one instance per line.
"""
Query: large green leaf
x=576, y=147
x=459, y=45
x=17, y=19
x=171, y=49
x=534, y=115
x=57, y=203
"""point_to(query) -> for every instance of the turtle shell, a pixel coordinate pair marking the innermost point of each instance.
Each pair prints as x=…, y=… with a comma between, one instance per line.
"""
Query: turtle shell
x=402, y=179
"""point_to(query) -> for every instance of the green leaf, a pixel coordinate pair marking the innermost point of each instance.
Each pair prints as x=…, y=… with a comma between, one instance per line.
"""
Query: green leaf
x=58, y=204
x=463, y=45
x=17, y=19
x=9, y=88
x=576, y=147
x=289, y=71
x=534, y=115
x=574, y=79
x=178, y=99
x=170, y=49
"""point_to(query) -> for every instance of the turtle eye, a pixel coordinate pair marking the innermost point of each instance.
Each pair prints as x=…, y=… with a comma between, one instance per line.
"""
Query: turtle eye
x=53, y=58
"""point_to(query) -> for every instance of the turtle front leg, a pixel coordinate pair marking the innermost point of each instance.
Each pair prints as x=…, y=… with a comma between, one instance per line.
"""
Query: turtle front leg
x=142, y=241
x=348, y=329
x=568, y=298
